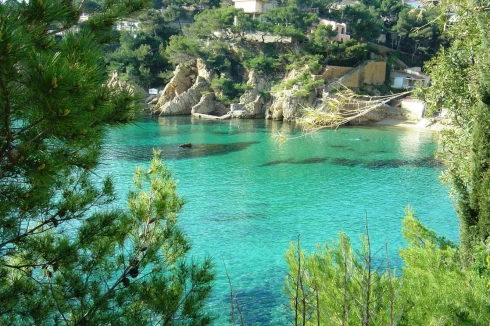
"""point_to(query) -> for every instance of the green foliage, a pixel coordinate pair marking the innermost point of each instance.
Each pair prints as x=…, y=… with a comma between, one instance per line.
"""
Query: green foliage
x=262, y=64
x=459, y=79
x=182, y=49
x=304, y=81
x=218, y=55
x=363, y=21
x=322, y=5
x=287, y=21
x=348, y=53
x=66, y=256
x=435, y=286
x=389, y=9
x=219, y=23
x=266, y=95
x=226, y=90
x=139, y=56
x=417, y=33
x=337, y=285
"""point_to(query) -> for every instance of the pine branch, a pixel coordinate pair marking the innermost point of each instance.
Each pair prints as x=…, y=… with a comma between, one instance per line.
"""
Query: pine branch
x=6, y=119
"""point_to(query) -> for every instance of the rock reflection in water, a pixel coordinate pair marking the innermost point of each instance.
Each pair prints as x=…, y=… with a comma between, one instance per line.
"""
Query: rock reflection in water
x=174, y=152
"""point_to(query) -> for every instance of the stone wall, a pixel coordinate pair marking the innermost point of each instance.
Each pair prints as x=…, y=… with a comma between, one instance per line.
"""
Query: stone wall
x=371, y=73
x=351, y=79
x=335, y=72
x=375, y=73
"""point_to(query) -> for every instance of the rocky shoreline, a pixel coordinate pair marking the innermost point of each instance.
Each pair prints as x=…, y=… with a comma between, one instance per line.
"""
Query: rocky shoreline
x=189, y=92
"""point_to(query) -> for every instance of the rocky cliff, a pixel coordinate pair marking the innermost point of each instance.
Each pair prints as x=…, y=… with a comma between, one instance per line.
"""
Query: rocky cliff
x=287, y=106
x=184, y=90
x=189, y=93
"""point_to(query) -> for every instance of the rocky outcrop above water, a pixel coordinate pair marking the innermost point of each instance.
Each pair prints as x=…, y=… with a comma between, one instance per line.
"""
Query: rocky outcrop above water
x=182, y=104
x=189, y=93
x=253, y=102
x=287, y=106
x=184, y=90
x=208, y=105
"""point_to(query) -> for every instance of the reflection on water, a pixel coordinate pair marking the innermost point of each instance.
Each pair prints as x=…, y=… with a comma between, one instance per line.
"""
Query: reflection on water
x=174, y=152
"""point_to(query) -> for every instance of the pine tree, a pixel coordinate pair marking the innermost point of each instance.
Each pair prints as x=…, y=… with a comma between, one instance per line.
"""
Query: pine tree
x=460, y=84
x=66, y=257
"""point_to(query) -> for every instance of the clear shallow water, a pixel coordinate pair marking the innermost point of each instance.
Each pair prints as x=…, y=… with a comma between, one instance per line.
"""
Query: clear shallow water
x=247, y=197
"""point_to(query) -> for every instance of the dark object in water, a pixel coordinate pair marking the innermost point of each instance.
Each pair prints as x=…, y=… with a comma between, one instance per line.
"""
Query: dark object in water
x=312, y=160
x=186, y=145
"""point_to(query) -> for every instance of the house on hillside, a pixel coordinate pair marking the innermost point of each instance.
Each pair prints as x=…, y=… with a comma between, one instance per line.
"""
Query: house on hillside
x=127, y=25
x=409, y=78
x=83, y=17
x=342, y=4
x=254, y=8
x=340, y=28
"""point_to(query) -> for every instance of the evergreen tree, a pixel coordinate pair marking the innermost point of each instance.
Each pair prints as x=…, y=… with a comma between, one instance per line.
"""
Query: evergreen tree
x=337, y=285
x=364, y=23
x=65, y=256
x=460, y=84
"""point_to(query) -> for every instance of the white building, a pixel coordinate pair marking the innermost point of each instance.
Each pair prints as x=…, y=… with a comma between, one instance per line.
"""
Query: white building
x=341, y=29
x=83, y=17
x=409, y=78
x=254, y=8
x=342, y=4
x=127, y=25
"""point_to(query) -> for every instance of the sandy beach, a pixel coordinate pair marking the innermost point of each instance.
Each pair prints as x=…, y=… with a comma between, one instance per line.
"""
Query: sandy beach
x=416, y=124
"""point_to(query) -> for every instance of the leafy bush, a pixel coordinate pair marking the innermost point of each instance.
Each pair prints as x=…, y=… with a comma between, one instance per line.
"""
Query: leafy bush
x=182, y=49
x=262, y=64
x=227, y=91
x=304, y=80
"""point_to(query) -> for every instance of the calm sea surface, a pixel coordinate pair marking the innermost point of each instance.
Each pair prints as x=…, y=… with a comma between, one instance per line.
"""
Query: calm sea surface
x=247, y=197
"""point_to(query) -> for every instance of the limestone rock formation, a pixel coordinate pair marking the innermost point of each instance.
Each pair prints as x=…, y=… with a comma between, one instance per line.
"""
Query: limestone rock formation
x=184, y=89
x=252, y=102
x=286, y=106
x=208, y=105
x=203, y=71
x=182, y=104
x=256, y=107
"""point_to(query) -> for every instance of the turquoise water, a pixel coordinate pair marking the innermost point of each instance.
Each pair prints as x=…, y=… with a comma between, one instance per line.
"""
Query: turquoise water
x=247, y=197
